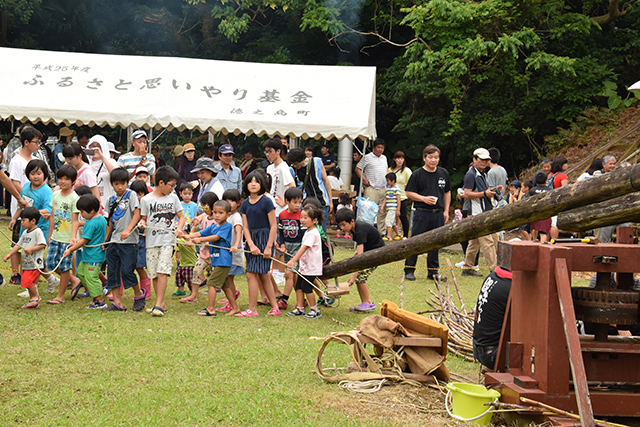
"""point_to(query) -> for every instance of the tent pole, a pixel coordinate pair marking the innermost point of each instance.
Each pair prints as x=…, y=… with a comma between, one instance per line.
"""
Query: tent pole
x=129, y=137
x=345, y=159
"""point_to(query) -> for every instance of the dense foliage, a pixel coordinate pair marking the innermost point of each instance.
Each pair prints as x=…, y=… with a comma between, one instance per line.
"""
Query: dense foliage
x=460, y=74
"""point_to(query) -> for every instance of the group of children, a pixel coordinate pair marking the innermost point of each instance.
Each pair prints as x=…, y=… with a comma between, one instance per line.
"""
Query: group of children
x=138, y=230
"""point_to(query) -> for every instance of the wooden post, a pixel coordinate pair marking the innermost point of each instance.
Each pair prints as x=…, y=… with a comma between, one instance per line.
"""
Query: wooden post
x=593, y=190
x=615, y=211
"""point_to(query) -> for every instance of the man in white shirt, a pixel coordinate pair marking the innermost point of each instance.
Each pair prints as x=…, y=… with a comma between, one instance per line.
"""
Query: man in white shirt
x=372, y=169
x=281, y=177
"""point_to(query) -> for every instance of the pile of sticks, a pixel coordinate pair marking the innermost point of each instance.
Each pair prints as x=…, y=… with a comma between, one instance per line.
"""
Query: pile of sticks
x=457, y=319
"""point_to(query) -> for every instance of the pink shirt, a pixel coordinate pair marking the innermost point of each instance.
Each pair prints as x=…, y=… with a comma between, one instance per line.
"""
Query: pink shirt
x=204, y=249
x=311, y=260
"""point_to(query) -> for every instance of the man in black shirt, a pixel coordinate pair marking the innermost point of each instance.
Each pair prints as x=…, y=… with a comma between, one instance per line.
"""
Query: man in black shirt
x=430, y=189
x=328, y=160
x=490, y=310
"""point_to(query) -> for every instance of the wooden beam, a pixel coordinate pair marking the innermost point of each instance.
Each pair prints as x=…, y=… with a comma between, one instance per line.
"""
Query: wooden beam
x=611, y=212
x=593, y=190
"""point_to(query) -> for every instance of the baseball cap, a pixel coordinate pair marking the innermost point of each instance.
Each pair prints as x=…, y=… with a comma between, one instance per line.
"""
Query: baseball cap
x=142, y=169
x=189, y=147
x=139, y=134
x=482, y=153
x=515, y=183
x=226, y=149
x=209, y=146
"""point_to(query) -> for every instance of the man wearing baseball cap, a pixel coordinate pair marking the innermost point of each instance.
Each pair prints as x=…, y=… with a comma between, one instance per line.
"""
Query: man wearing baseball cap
x=229, y=175
x=480, y=196
x=139, y=156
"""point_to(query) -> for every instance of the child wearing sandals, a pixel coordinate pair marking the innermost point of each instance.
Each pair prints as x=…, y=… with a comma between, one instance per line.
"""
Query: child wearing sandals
x=141, y=190
x=290, y=233
x=203, y=263
x=63, y=229
x=237, y=258
x=159, y=210
x=259, y=228
x=32, y=242
x=310, y=257
x=219, y=235
x=93, y=234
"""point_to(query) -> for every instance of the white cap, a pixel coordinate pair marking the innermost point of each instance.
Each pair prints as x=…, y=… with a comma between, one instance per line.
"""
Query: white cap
x=482, y=153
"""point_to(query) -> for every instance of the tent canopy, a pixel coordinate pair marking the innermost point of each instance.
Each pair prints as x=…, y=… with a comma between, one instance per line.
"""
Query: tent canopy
x=165, y=92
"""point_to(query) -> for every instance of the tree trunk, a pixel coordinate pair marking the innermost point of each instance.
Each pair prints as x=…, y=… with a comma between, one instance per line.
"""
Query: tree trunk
x=616, y=211
x=605, y=187
x=612, y=14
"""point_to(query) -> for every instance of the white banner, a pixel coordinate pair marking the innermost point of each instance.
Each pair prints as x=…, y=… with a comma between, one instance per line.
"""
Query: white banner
x=166, y=92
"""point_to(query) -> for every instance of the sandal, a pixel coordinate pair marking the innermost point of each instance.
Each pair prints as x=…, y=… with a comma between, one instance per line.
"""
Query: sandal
x=32, y=303
x=264, y=303
x=275, y=311
x=74, y=292
x=247, y=313
x=55, y=301
x=187, y=299
x=205, y=312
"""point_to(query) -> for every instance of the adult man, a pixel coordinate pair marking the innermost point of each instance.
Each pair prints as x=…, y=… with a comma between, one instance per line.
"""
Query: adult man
x=546, y=165
x=496, y=176
x=355, y=179
x=478, y=192
x=281, y=177
x=139, y=156
x=604, y=234
x=328, y=160
x=210, y=151
x=490, y=310
x=372, y=170
x=229, y=175
x=430, y=189
x=311, y=178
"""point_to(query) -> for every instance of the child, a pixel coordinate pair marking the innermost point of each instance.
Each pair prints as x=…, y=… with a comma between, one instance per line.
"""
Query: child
x=159, y=210
x=237, y=258
x=123, y=214
x=542, y=227
x=142, y=174
x=290, y=233
x=390, y=207
x=141, y=189
x=37, y=194
x=32, y=242
x=310, y=257
x=203, y=263
x=93, y=234
x=63, y=229
x=221, y=257
x=344, y=201
x=367, y=238
x=259, y=227
x=186, y=253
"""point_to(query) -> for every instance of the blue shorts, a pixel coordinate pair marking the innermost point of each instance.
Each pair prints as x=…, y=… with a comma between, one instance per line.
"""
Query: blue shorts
x=142, y=253
x=54, y=254
x=236, y=270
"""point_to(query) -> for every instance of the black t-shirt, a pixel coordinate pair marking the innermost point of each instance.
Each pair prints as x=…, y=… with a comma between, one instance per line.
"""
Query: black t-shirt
x=329, y=159
x=538, y=189
x=426, y=183
x=490, y=309
x=367, y=235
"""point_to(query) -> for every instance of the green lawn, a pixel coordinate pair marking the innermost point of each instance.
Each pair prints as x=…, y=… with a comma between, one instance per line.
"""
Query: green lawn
x=66, y=365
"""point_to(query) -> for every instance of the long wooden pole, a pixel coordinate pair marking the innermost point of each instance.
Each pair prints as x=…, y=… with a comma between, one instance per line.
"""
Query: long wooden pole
x=611, y=212
x=593, y=190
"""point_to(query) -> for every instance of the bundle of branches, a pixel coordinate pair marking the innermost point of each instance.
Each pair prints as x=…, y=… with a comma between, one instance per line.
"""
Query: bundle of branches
x=457, y=319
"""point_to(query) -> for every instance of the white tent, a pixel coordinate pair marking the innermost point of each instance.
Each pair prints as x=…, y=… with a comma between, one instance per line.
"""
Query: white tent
x=165, y=92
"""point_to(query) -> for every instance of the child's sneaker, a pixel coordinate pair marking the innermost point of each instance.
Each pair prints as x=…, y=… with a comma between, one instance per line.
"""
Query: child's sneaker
x=97, y=305
x=313, y=314
x=16, y=279
x=282, y=303
x=52, y=284
x=158, y=311
x=179, y=293
x=24, y=294
x=275, y=311
x=114, y=307
x=363, y=307
x=296, y=312
x=326, y=301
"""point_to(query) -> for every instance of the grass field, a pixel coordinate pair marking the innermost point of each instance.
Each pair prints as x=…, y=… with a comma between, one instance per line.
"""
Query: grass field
x=69, y=366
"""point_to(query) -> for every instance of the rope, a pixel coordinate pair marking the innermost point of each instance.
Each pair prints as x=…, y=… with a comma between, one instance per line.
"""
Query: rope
x=370, y=386
x=31, y=256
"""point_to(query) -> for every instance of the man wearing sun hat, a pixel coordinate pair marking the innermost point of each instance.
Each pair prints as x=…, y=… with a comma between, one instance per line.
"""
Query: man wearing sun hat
x=229, y=175
x=139, y=156
x=480, y=195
